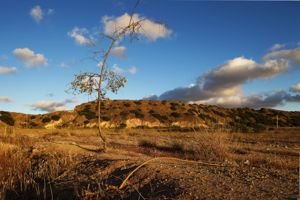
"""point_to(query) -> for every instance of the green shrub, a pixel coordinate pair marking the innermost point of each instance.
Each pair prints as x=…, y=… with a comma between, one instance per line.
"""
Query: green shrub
x=175, y=114
x=32, y=117
x=161, y=118
x=46, y=119
x=138, y=102
x=105, y=118
x=55, y=117
x=126, y=104
x=7, y=118
x=138, y=113
x=87, y=112
x=124, y=114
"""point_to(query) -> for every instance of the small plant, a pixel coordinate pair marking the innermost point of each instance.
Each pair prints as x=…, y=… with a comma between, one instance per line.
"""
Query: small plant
x=46, y=120
x=55, y=117
x=147, y=144
x=126, y=104
x=7, y=118
x=175, y=114
x=138, y=102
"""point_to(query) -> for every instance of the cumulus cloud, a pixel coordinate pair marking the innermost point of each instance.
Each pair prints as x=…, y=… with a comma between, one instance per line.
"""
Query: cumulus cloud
x=226, y=80
x=295, y=88
x=292, y=55
x=119, y=51
x=148, y=29
x=222, y=85
x=277, y=47
x=5, y=99
x=8, y=70
x=81, y=36
x=37, y=13
x=52, y=106
x=30, y=58
x=132, y=70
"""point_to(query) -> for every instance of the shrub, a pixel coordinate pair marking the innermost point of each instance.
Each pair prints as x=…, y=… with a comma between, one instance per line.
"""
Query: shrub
x=175, y=114
x=124, y=114
x=87, y=112
x=161, y=118
x=122, y=125
x=126, y=104
x=138, y=102
x=46, y=119
x=164, y=102
x=138, y=113
x=106, y=118
x=32, y=117
x=7, y=118
x=55, y=117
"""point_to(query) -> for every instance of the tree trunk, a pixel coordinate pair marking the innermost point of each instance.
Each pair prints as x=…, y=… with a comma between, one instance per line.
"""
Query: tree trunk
x=100, y=134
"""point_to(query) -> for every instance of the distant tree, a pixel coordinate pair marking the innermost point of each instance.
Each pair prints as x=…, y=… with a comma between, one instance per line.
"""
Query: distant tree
x=106, y=79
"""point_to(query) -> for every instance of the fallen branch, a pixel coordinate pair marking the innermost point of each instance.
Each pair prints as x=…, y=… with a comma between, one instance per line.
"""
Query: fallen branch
x=161, y=158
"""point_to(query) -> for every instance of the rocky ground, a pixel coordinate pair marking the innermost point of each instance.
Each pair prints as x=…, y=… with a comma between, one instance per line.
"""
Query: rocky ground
x=236, y=166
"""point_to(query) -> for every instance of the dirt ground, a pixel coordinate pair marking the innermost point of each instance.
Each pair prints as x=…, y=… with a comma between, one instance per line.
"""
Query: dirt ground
x=188, y=165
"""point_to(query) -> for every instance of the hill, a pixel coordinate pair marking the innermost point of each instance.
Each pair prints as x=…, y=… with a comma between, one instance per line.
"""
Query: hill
x=156, y=114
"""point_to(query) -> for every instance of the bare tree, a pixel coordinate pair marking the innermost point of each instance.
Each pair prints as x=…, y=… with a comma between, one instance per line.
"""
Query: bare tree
x=106, y=80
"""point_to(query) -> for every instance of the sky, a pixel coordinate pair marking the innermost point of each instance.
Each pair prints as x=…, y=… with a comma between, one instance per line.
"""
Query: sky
x=232, y=54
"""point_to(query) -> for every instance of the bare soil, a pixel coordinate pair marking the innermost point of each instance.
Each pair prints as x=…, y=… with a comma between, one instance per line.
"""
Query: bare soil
x=247, y=166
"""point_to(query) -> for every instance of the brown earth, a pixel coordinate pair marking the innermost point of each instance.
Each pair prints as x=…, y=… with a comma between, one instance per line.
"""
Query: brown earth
x=66, y=164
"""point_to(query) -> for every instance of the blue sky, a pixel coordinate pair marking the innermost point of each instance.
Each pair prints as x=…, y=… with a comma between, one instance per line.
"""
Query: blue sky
x=213, y=52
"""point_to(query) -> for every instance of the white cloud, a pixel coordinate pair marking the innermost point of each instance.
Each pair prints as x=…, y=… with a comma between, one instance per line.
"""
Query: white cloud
x=295, y=88
x=63, y=65
x=5, y=99
x=132, y=70
x=8, y=70
x=52, y=106
x=81, y=36
x=288, y=54
x=119, y=51
x=30, y=58
x=36, y=13
x=149, y=29
x=277, y=47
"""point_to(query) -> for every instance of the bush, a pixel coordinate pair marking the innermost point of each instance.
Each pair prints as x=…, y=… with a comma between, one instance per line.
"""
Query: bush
x=122, y=125
x=7, y=118
x=138, y=102
x=87, y=112
x=127, y=104
x=32, y=117
x=138, y=113
x=106, y=118
x=147, y=144
x=46, y=119
x=124, y=114
x=161, y=118
x=55, y=117
x=175, y=114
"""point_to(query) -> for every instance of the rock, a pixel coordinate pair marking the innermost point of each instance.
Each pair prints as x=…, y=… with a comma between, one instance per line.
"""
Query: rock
x=247, y=162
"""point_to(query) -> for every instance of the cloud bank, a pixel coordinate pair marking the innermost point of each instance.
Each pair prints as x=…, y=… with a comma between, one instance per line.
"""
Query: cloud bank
x=30, y=58
x=223, y=84
x=51, y=106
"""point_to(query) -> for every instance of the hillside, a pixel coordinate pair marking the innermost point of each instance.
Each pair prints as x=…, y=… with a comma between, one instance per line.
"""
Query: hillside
x=156, y=114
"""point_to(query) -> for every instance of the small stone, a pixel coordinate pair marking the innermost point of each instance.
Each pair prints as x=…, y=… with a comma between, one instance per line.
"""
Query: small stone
x=247, y=162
